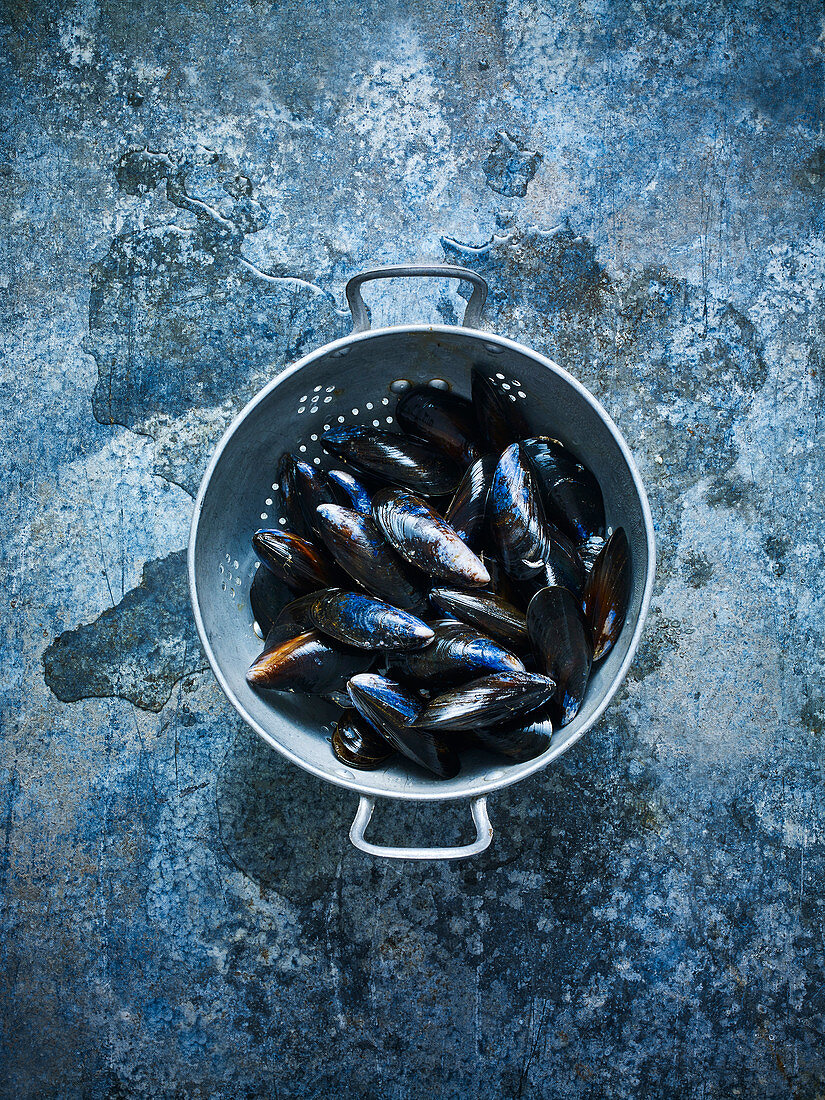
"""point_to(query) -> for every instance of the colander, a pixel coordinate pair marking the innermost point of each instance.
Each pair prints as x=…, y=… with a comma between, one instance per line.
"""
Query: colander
x=356, y=380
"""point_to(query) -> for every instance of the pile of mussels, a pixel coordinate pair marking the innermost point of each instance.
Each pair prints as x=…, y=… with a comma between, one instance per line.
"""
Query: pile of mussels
x=465, y=559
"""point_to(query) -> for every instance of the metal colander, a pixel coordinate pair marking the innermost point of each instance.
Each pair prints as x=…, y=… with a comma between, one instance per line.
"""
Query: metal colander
x=356, y=380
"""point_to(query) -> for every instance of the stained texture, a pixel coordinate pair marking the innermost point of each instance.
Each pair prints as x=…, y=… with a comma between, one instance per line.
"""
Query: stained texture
x=186, y=189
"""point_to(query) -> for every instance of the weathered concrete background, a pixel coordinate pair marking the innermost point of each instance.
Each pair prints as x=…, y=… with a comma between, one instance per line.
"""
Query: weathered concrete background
x=643, y=183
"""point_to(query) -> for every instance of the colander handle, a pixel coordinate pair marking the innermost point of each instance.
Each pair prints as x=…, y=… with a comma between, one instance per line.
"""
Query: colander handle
x=472, y=314
x=484, y=836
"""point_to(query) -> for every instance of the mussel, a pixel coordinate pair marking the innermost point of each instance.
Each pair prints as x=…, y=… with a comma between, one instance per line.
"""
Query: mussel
x=391, y=709
x=570, y=492
x=308, y=663
x=563, y=645
x=468, y=507
x=358, y=546
x=358, y=744
x=296, y=561
x=456, y=653
x=519, y=741
x=292, y=619
x=532, y=550
x=314, y=489
x=394, y=458
x=494, y=700
x=353, y=491
x=424, y=539
x=267, y=595
x=607, y=593
x=289, y=497
x=442, y=418
x=490, y=614
x=361, y=621
x=497, y=410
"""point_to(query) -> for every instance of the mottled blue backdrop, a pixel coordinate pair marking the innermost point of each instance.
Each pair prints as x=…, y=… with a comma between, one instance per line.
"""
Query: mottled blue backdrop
x=186, y=188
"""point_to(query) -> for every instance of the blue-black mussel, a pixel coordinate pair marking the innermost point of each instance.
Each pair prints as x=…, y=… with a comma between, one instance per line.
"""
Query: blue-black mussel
x=563, y=644
x=495, y=700
x=391, y=709
x=359, y=547
x=489, y=613
x=607, y=593
x=358, y=744
x=442, y=418
x=532, y=550
x=570, y=492
x=425, y=540
x=298, y=562
x=308, y=663
x=456, y=653
x=396, y=459
x=357, y=619
x=353, y=492
x=467, y=510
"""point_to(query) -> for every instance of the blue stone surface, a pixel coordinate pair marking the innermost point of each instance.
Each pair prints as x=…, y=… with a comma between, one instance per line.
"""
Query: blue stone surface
x=186, y=189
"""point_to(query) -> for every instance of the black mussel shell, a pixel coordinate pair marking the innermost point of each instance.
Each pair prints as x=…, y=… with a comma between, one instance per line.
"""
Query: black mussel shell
x=309, y=663
x=589, y=550
x=394, y=458
x=356, y=619
x=498, y=413
x=358, y=546
x=490, y=614
x=292, y=619
x=391, y=709
x=531, y=549
x=457, y=653
x=352, y=491
x=519, y=741
x=357, y=743
x=424, y=539
x=607, y=593
x=491, y=701
x=296, y=561
x=563, y=645
x=314, y=489
x=267, y=595
x=289, y=498
x=442, y=418
x=467, y=509
x=570, y=492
